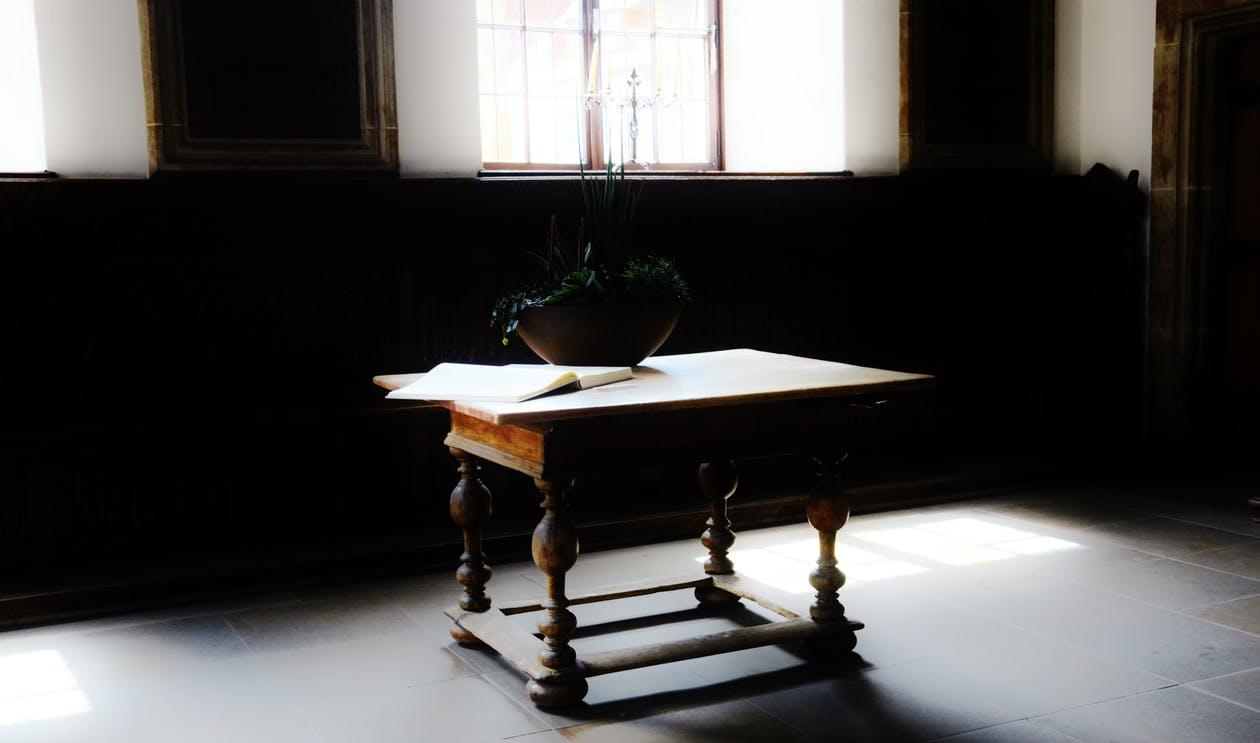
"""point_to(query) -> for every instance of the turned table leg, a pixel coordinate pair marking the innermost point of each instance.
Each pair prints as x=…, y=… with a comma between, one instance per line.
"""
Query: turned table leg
x=470, y=508
x=718, y=481
x=828, y=510
x=555, y=550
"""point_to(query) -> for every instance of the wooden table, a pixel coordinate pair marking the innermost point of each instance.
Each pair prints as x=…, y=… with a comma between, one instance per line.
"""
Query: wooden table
x=707, y=407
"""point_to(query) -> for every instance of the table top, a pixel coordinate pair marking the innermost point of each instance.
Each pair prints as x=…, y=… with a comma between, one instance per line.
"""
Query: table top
x=695, y=380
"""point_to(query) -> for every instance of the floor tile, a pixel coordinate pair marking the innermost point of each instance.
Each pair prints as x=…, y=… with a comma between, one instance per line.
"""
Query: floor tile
x=1240, y=688
x=620, y=696
x=1021, y=731
x=1243, y=614
x=424, y=601
x=1177, y=715
x=113, y=654
x=896, y=630
x=1075, y=624
x=1067, y=512
x=1029, y=675
x=307, y=624
x=1168, y=583
x=1242, y=559
x=911, y=701
x=1177, y=647
x=373, y=664
x=743, y=665
x=1053, y=607
x=135, y=704
x=1233, y=516
x=458, y=709
x=282, y=727
x=1167, y=537
x=546, y=736
x=624, y=566
x=727, y=721
x=63, y=630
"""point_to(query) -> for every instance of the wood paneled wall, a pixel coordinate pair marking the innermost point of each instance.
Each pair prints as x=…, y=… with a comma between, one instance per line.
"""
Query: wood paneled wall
x=188, y=361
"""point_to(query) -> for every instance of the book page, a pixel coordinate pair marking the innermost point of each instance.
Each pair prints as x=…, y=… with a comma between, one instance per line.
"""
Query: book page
x=485, y=383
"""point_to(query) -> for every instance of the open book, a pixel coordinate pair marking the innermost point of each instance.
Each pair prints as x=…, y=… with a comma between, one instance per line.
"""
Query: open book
x=511, y=383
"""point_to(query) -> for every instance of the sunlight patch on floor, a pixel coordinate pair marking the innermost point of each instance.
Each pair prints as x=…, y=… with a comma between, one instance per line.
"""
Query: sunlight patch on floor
x=956, y=542
x=38, y=686
x=965, y=541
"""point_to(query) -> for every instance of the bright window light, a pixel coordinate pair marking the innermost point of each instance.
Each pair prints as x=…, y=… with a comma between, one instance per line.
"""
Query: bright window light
x=38, y=686
x=21, y=105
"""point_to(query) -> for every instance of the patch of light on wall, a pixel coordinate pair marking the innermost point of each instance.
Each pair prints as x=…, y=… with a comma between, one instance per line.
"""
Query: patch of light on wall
x=38, y=686
x=21, y=103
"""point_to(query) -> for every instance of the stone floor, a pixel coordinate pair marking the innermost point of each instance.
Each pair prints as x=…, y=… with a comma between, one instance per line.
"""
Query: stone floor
x=1053, y=616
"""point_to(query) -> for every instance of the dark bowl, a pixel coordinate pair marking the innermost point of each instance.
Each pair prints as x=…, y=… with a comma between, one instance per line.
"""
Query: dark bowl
x=597, y=334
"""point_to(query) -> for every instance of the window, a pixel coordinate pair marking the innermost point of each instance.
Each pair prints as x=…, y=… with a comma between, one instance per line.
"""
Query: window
x=568, y=81
x=21, y=107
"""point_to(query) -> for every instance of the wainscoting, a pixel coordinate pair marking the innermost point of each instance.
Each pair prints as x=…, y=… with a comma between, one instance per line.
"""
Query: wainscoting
x=187, y=379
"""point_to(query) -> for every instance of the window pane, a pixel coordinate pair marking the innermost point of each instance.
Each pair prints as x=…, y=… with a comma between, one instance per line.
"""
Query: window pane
x=511, y=124
x=691, y=14
x=507, y=11
x=570, y=128
x=639, y=59
x=567, y=56
x=613, y=70
x=639, y=15
x=668, y=61
x=508, y=62
x=542, y=130
x=538, y=50
x=695, y=69
x=646, y=142
x=538, y=12
x=489, y=130
x=531, y=78
x=612, y=15
x=485, y=60
x=671, y=131
x=664, y=13
x=567, y=13
x=695, y=132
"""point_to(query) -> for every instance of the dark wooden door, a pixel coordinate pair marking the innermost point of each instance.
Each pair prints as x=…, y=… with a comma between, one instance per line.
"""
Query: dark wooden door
x=1238, y=245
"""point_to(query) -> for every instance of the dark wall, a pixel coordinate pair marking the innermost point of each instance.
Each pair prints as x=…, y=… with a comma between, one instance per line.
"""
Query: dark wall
x=188, y=362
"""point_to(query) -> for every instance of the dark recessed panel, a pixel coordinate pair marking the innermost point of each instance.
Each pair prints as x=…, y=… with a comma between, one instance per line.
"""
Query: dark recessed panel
x=281, y=70
x=975, y=68
x=977, y=83
x=281, y=84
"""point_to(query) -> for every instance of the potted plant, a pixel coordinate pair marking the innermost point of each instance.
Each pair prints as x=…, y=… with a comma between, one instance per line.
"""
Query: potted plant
x=596, y=305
